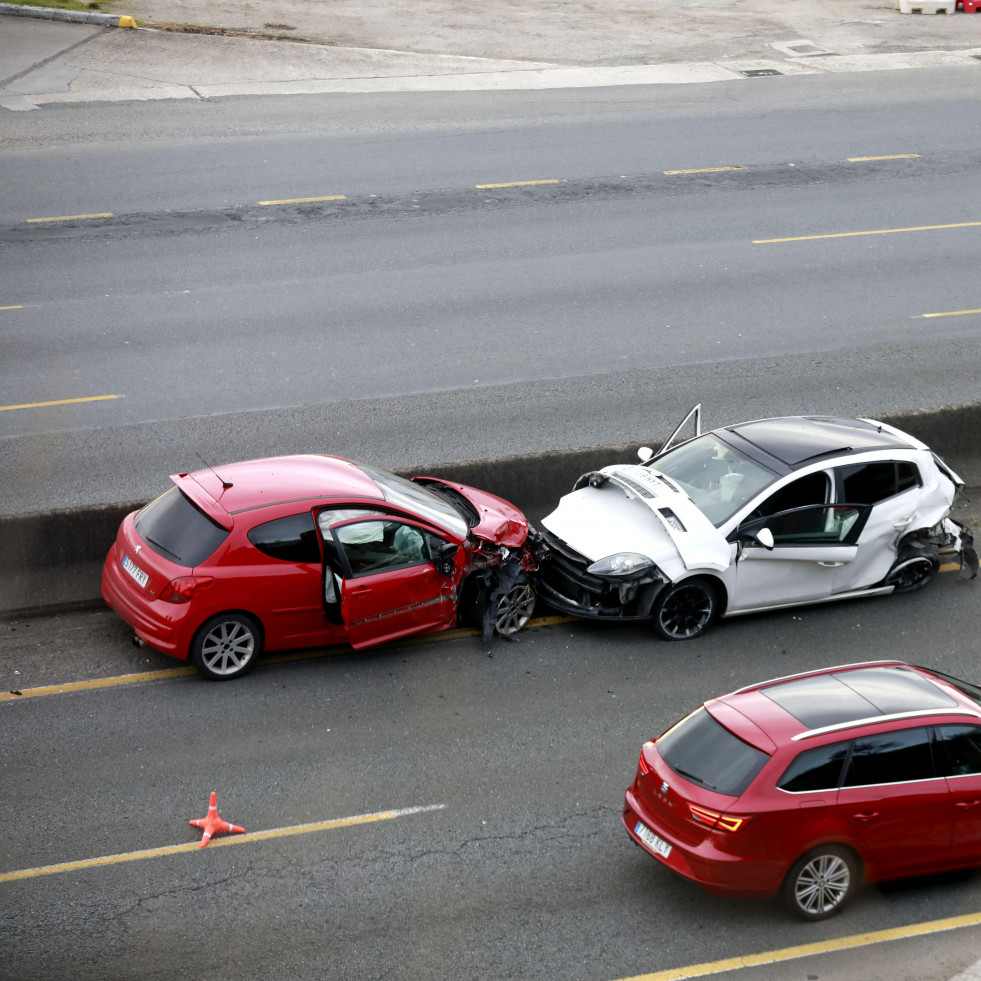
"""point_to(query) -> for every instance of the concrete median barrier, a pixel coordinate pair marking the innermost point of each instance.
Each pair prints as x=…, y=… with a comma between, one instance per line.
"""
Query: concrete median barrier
x=51, y=560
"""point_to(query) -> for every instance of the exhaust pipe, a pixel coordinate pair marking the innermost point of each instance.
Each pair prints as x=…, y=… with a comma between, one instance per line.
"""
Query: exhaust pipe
x=137, y=642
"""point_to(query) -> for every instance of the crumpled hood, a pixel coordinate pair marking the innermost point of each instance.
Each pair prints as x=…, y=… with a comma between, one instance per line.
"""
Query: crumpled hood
x=499, y=521
x=631, y=511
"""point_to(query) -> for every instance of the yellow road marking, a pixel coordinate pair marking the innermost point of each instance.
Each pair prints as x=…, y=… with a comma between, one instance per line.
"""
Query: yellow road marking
x=878, y=231
x=808, y=950
x=40, y=405
x=245, y=839
x=704, y=170
x=18, y=307
x=305, y=655
x=103, y=214
x=951, y=313
x=484, y=187
x=890, y=156
x=326, y=197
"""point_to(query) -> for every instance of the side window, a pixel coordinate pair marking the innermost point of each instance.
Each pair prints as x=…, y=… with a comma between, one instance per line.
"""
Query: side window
x=960, y=749
x=292, y=539
x=815, y=769
x=870, y=483
x=374, y=546
x=890, y=757
x=812, y=489
x=833, y=524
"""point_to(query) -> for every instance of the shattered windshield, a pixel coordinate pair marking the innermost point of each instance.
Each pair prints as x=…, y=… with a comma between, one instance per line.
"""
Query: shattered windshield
x=718, y=478
x=414, y=497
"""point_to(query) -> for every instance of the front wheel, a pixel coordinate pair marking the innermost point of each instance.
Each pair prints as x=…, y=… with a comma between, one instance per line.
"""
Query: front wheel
x=821, y=882
x=515, y=608
x=684, y=610
x=916, y=567
x=226, y=646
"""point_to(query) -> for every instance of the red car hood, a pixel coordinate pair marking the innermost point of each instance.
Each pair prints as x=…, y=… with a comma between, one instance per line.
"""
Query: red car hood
x=500, y=522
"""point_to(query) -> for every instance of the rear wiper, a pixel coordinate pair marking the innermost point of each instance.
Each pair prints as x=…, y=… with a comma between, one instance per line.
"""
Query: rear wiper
x=691, y=776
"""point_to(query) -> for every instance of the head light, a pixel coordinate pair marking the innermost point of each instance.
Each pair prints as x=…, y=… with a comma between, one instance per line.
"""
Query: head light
x=623, y=564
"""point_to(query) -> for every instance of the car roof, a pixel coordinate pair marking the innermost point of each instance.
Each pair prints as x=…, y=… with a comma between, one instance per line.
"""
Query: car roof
x=798, y=440
x=236, y=487
x=836, y=699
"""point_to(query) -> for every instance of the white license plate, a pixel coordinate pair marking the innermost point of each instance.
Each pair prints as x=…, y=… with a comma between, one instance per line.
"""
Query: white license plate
x=135, y=571
x=655, y=844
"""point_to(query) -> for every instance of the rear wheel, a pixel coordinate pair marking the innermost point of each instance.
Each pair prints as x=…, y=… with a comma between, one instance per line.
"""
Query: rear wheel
x=226, y=646
x=515, y=608
x=916, y=567
x=821, y=882
x=684, y=610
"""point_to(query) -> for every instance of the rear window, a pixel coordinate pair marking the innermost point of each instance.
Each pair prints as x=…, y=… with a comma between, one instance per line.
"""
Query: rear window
x=701, y=750
x=178, y=530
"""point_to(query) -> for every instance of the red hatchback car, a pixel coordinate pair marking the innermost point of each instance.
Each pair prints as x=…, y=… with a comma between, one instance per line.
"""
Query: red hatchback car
x=295, y=551
x=805, y=786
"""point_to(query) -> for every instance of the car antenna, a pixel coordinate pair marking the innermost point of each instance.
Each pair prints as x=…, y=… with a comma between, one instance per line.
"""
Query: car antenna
x=225, y=484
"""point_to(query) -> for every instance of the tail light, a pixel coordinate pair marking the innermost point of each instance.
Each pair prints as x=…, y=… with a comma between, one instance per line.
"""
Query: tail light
x=642, y=764
x=184, y=589
x=720, y=822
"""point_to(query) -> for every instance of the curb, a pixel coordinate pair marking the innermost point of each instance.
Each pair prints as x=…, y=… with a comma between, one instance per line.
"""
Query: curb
x=76, y=16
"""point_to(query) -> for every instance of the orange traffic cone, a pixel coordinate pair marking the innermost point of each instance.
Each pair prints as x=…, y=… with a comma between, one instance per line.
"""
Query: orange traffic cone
x=213, y=822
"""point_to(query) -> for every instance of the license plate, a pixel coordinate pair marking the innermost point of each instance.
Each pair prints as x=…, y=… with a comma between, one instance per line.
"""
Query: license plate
x=655, y=844
x=135, y=571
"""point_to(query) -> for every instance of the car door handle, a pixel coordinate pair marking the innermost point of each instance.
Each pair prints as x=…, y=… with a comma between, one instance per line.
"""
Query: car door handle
x=965, y=804
x=360, y=590
x=903, y=522
x=831, y=565
x=867, y=816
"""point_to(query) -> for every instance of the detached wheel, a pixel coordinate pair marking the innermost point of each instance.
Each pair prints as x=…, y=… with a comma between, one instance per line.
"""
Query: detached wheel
x=226, y=646
x=684, y=610
x=821, y=882
x=515, y=608
x=916, y=567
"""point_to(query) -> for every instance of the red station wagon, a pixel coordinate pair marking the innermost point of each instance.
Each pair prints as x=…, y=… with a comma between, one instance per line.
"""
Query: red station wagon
x=805, y=786
x=296, y=551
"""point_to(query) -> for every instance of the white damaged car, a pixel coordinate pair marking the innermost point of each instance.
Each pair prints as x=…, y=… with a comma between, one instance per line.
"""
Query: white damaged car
x=757, y=516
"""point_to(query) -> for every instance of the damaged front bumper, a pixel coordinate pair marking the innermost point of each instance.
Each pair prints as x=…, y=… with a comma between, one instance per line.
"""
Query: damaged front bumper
x=565, y=583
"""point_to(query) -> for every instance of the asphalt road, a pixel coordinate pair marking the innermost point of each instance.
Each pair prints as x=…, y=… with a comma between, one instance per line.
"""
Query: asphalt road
x=594, y=309
x=519, y=753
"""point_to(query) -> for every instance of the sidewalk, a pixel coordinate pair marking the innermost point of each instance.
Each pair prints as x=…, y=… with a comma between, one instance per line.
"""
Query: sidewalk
x=202, y=49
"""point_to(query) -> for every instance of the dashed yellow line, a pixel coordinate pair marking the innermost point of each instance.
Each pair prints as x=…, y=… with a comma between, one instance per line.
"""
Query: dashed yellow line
x=326, y=197
x=103, y=214
x=877, y=231
x=41, y=405
x=704, y=170
x=486, y=187
x=889, y=156
x=304, y=655
x=809, y=950
x=246, y=839
x=951, y=313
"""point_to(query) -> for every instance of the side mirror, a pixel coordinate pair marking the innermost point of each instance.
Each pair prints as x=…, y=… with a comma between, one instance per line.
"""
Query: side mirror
x=646, y=454
x=765, y=537
x=443, y=556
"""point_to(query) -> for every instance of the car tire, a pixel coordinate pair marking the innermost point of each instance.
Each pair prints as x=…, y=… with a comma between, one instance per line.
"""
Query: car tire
x=821, y=882
x=515, y=607
x=684, y=610
x=916, y=566
x=226, y=646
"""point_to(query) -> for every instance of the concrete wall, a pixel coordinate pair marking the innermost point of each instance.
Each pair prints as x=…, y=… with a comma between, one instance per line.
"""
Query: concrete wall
x=53, y=559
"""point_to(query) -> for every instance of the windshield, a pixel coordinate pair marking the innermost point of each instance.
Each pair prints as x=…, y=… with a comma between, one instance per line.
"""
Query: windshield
x=718, y=478
x=414, y=497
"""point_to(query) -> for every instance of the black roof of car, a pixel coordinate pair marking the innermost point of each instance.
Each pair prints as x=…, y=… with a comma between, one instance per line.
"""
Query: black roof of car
x=798, y=440
x=847, y=696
